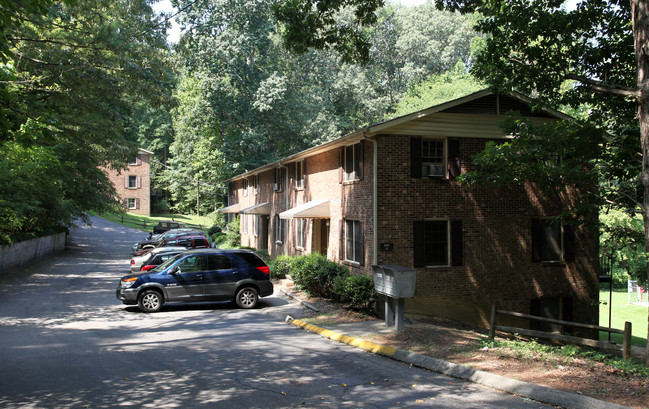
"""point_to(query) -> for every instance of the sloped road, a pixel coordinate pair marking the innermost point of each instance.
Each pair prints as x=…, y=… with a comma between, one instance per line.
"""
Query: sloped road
x=66, y=341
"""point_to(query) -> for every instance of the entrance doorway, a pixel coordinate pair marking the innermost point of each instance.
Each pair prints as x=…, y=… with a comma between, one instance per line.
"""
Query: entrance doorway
x=321, y=236
x=263, y=232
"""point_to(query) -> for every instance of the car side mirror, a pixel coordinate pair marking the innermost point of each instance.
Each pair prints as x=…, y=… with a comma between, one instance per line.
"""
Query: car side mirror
x=174, y=270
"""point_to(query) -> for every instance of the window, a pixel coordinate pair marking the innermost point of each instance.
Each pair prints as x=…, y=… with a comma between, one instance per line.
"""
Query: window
x=255, y=224
x=353, y=241
x=551, y=241
x=279, y=229
x=438, y=243
x=219, y=262
x=255, y=184
x=132, y=203
x=432, y=157
x=435, y=158
x=244, y=222
x=245, y=187
x=193, y=263
x=280, y=175
x=353, y=162
x=299, y=175
x=300, y=233
x=132, y=182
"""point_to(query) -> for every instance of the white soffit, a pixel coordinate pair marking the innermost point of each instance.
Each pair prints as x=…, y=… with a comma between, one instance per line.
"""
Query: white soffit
x=315, y=209
x=230, y=209
x=261, y=208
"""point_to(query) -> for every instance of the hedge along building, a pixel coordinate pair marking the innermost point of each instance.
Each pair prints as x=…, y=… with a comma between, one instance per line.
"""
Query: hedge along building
x=388, y=194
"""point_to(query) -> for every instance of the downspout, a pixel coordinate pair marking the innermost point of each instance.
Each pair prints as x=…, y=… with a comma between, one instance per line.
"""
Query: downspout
x=374, y=196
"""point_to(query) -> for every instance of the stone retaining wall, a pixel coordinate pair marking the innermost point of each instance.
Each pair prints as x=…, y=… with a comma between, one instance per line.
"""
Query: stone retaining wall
x=24, y=252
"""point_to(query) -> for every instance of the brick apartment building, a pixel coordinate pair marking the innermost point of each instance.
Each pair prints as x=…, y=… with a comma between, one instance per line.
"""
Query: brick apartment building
x=387, y=194
x=133, y=186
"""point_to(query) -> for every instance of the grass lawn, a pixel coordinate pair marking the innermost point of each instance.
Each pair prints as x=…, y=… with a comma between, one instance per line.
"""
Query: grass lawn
x=146, y=223
x=623, y=311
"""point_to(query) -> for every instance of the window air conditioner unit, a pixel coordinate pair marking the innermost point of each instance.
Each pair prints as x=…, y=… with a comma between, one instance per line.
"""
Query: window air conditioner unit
x=434, y=170
x=276, y=186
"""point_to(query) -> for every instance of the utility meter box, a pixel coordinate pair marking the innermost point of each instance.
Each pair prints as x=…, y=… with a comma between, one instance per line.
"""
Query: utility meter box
x=394, y=281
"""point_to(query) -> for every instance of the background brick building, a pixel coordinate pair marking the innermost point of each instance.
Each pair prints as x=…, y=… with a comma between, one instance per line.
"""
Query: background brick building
x=133, y=185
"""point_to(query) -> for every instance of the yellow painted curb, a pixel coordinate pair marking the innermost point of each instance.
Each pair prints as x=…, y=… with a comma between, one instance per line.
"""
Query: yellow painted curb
x=359, y=343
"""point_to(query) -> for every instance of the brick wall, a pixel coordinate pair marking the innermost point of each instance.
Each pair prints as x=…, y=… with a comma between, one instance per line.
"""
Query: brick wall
x=496, y=226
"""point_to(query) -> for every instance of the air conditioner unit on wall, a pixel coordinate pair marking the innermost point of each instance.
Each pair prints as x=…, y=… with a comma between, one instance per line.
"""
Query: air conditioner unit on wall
x=276, y=186
x=434, y=170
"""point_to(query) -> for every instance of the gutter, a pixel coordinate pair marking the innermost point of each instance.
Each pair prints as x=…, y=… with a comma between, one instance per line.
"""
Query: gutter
x=375, y=206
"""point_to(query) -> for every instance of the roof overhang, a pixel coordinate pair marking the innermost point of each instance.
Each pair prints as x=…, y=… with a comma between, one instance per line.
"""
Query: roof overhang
x=230, y=209
x=261, y=208
x=315, y=209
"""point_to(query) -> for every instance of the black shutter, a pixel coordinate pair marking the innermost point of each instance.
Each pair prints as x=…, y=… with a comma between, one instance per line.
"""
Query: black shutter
x=415, y=157
x=341, y=250
x=537, y=240
x=341, y=167
x=419, y=243
x=361, y=156
x=457, y=243
x=454, y=167
x=568, y=243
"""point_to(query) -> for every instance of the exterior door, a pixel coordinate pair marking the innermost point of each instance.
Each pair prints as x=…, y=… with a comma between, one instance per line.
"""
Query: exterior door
x=221, y=278
x=187, y=282
x=321, y=236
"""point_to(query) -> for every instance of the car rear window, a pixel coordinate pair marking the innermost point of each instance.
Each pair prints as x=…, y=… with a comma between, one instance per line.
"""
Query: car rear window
x=251, y=259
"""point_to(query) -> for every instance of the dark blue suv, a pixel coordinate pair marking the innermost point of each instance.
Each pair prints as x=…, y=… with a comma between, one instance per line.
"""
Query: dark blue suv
x=199, y=275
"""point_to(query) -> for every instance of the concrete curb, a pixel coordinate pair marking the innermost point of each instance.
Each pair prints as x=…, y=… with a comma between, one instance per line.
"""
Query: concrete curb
x=535, y=392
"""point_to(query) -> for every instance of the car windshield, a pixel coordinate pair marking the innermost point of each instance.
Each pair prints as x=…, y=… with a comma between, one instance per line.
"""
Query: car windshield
x=167, y=263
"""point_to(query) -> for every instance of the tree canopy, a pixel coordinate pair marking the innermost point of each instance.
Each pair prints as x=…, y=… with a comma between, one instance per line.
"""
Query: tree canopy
x=70, y=74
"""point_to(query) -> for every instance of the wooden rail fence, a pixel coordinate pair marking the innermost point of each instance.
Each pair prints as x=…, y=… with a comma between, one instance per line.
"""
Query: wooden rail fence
x=149, y=224
x=604, y=345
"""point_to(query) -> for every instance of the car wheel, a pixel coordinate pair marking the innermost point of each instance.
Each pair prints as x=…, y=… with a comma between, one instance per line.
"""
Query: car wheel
x=150, y=301
x=247, y=298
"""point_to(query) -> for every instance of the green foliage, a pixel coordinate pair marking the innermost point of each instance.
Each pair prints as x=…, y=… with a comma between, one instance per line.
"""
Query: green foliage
x=315, y=274
x=622, y=237
x=231, y=238
x=438, y=89
x=70, y=75
x=280, y=267
x=357, y=291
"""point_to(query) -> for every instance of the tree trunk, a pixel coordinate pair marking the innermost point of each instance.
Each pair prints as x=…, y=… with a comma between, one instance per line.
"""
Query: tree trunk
x=640, y=10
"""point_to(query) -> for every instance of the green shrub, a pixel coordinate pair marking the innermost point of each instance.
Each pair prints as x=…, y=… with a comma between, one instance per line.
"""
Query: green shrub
x=357, y=291
x=280, y=267
x=315, y=274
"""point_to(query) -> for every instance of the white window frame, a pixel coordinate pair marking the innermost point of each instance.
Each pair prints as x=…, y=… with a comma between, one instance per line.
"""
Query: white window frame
x=300, y=233
x=353, y=174
x=245, y=186
x=255, y=185
x=299, y=175
x=279, y=230
x=350, y=237
x=434, y=160
x=132, y=203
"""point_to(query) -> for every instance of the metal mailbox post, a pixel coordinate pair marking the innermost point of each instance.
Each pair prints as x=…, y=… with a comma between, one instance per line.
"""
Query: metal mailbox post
x=396, y=283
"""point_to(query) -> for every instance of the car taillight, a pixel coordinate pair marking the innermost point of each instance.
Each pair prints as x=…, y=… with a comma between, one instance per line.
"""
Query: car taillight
x=132, y=261
x=264, y=269
x=147, y=268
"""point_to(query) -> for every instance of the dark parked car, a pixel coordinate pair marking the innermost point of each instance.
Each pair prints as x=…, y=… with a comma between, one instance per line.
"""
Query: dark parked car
x=199, y=275
x=164, y=226
x=153, y=240
x=190, y=242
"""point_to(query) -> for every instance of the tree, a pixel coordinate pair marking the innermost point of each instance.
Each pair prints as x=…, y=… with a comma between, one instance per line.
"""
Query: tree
x=537, y=46
x=70, y=74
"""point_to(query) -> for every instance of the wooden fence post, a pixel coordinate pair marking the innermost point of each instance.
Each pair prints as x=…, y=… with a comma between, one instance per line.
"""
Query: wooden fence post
x=626, y=346
x=492, y=320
